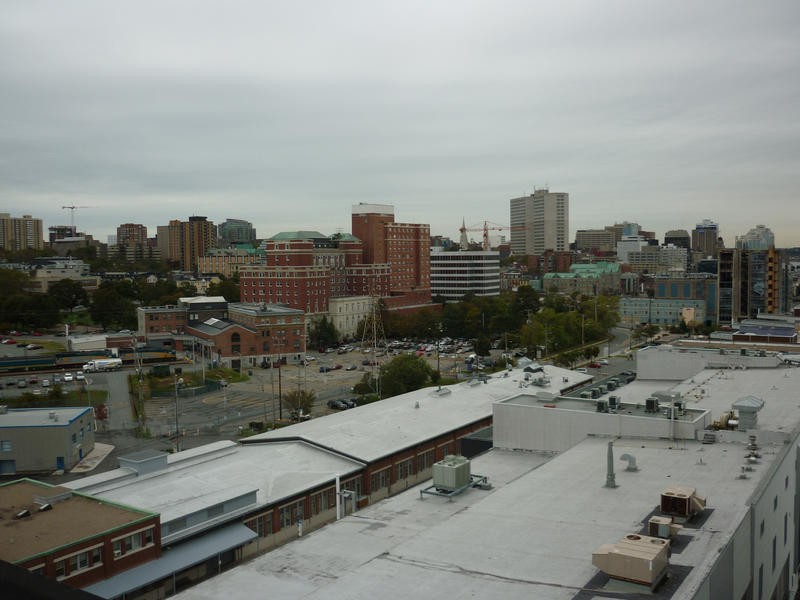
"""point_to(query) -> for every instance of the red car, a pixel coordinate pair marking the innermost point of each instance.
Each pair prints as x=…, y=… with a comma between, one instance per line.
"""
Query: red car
x=336, y=367
x=37, y=334
x=595, y=365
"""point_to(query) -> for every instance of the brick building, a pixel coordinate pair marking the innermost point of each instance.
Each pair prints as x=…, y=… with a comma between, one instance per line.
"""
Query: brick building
x=186, y=241
x=71, y=537
x=305, y=269
x=131, y=233
x=253, y=334
x=404, y=246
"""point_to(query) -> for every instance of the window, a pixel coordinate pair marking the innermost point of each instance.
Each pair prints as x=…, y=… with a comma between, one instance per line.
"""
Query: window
x=773, y=553
x=761, y=531
x=74, y=439
x=6, y=446
x=785, y=518
x=61, y=568
x=97, y=556
x=775, y=503
x=379, y=480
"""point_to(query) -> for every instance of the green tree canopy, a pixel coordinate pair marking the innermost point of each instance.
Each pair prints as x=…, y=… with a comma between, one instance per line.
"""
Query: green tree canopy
x=323, y=334
x=405, y=373
x=68, y=293
x=299, y=401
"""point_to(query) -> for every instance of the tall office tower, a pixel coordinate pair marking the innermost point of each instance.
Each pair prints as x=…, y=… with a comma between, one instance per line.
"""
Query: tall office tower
x=679, y=238
x=752, y=282
x=236, y=231
x=20, y=233
x=758, y=238
x=704, y=238
x=540, y=222
x=405, y=246
x=131, y=233
x=189, y=240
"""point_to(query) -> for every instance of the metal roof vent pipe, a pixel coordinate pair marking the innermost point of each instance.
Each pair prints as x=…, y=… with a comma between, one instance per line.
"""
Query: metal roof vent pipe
x=631, y=462
x=611, y=480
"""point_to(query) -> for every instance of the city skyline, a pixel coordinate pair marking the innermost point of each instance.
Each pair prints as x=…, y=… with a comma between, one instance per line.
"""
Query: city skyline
x=283, y=116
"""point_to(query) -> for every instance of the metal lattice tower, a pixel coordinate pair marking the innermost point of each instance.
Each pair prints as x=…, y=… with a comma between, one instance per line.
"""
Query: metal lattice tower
x=372, y=338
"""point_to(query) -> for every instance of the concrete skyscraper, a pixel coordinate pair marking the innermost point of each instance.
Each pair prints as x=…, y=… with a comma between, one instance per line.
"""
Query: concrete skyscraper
x=540, y=222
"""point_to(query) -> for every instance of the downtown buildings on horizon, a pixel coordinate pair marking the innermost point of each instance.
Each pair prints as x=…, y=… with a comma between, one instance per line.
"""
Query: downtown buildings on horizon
x=408, y=267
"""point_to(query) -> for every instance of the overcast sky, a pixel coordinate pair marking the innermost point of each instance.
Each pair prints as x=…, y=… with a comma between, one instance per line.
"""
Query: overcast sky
x=286, y=114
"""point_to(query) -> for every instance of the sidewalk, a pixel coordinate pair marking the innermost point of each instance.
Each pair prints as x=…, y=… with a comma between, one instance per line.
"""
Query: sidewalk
x=94, y=458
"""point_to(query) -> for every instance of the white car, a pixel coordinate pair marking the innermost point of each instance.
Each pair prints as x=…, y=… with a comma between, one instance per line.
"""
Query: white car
x=79, y=376
x=45, y=383
x=68, y=377
x=603, y=361
x=581, y=370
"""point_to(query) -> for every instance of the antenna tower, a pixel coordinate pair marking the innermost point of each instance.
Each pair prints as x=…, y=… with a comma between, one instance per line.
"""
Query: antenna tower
x=373, y=338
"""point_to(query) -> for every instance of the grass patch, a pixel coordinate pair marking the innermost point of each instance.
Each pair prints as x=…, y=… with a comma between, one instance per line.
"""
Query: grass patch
x=228, y=375
x=50, y=345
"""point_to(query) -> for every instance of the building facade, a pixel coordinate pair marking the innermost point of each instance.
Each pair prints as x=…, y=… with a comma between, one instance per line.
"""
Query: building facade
x=44, y=439
x=71, y=537
x=752, y=282
x=540, y=222
x=236, y=231
x=20, y=233
x=131, y=234
x=595, y=240
x=188, y=240
x=588, y=279
x=305, y=269
x=228, y=261
x=458, y=274
x=693, y=286
x=346, y=312
x=759, y=237
x=657, y=259
x=633, y=311
x=705, y=238
x=405, y=247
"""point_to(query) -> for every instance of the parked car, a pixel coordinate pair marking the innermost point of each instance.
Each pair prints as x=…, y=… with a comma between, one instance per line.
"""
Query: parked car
x=603, y=361
x=8, y=341
x=33, y=347
x=68, y=377
x=351, y=368
x=37, y=334
x=37, y=392
x=337, y=404
x=349, y=402
x=56, y=378
x=324, y=369
x=79, y=376
x=33, y=379
x=595, y=365
x=22, y=383
x=45, y=383
x=582, y=370
x=336, y=367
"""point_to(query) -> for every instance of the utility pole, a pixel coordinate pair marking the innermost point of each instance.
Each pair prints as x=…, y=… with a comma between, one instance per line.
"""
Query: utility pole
x=178, y=383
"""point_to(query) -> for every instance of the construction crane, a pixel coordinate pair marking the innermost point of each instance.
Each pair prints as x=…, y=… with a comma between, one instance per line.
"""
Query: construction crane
x=72, y=214
x=489, y=226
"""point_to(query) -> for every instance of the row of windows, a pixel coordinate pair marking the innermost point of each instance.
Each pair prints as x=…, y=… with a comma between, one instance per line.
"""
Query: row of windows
x=77, y=563
x=132, y=543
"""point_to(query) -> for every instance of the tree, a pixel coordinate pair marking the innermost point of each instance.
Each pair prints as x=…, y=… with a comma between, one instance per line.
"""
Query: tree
x=109, y=308
x=68, y=293
x=299, y=401
x=323, y=334
x=229, y=288
x=482, y=345
x=405, y=373
x=29, y=311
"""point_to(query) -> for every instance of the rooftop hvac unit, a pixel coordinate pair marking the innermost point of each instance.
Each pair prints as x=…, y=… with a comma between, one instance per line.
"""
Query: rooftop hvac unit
x=602, y=406
x=682, y=502
x=651, y=405
x=637, y=558
x=613, y=402
x=452, y=473
x=662, y=527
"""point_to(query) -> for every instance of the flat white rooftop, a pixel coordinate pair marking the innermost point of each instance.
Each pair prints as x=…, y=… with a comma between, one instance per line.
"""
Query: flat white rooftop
x=382, y=428
x=41, y=417
x=531, y=536
x=202, y=477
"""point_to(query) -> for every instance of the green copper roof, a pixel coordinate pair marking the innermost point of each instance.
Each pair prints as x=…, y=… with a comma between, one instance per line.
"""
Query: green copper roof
x=298, y=235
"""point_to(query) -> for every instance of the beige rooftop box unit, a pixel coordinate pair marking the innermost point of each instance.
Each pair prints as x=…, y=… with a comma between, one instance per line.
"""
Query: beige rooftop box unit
x=451, y=473
x=638, y=558
x=682, y=502
x=662, y=527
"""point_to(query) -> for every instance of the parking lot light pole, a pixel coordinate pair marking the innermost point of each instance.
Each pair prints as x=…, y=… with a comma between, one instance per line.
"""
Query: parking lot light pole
x=178, y=383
